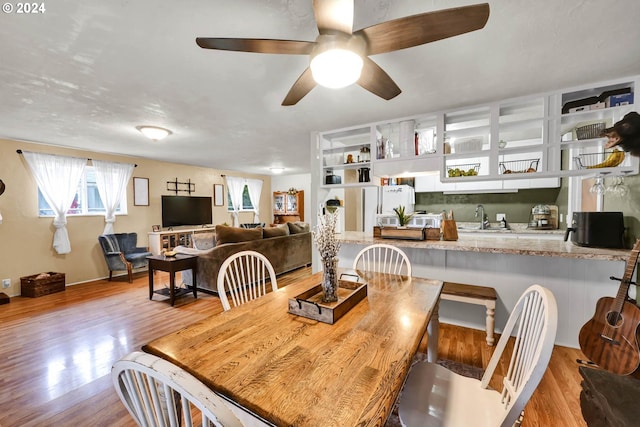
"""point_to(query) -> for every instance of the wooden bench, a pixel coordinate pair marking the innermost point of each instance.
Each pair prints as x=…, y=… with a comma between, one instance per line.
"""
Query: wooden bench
x=472, y=294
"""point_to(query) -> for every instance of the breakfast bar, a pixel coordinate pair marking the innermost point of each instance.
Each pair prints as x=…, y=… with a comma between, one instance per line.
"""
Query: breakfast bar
x=578, y=276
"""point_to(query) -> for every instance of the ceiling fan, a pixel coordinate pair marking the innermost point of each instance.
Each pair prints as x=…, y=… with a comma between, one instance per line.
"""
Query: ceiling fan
x=340, y=56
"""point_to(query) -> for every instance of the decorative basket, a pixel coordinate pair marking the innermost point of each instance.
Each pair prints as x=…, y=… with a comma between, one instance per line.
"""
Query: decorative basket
x=38, y=285
x=519, y=166
x=590, y=131
x=469, y=169
x=591, y=160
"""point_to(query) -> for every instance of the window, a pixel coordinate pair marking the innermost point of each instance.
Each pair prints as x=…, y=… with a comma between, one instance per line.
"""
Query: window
x=246, y=200
x=87, y=200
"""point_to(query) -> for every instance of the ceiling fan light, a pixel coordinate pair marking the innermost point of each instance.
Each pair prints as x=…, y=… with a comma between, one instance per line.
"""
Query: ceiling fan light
x=154, y=133
x=336, y=68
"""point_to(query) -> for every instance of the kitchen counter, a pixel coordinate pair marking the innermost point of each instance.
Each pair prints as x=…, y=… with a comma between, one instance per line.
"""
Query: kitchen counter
x=496, y=245
x=576, y=275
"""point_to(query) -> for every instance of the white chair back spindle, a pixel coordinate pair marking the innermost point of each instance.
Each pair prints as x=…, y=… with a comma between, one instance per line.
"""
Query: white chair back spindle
x=158, y=393
x=383, y=258
x=244, y=276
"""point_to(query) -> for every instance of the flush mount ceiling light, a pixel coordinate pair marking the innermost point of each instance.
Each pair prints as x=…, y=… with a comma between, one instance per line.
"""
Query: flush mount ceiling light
x=277, y=170
x=154, y=133
x=336, y=62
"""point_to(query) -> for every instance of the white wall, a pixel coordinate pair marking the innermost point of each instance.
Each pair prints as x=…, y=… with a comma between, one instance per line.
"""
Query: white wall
x=299, y=182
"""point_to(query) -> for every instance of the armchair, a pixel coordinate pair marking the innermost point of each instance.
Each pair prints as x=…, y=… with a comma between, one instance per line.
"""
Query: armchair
x=121, y=253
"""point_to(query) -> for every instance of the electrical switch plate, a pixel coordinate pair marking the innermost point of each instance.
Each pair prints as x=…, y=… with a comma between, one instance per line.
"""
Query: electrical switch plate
x=500, y=216
x=6, y=283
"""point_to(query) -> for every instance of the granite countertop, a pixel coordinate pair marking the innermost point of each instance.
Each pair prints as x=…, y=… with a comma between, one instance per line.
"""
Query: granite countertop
x=514, y=228
x=496, y=245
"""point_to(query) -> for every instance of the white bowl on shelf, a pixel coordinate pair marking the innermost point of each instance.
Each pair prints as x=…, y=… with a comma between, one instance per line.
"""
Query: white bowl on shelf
x=334, y=159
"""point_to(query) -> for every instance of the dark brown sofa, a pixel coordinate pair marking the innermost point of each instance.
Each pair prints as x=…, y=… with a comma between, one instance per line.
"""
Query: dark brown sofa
x=285, y=252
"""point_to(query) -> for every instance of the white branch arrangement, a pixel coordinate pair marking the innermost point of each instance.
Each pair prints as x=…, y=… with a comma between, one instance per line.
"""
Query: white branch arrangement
x=324, y=236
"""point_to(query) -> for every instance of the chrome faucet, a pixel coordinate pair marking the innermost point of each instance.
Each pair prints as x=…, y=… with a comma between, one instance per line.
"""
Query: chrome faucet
x=484, y=222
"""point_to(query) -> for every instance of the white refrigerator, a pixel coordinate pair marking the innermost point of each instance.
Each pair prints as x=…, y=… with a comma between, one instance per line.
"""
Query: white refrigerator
x=397, y=195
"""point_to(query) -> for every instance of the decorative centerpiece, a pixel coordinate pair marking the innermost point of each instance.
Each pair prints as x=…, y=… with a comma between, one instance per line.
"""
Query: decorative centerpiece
x=324, y=237
x=403, y=218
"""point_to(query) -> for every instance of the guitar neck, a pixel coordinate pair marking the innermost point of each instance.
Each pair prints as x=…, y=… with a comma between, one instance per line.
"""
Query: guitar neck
x=630, y=267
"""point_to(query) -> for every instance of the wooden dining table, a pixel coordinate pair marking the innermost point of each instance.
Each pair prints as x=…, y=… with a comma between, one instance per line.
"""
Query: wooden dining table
x=294, y=371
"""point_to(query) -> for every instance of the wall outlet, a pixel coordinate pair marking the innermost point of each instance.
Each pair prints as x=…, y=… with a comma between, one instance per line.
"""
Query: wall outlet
x=500, y=216
x=6, y=283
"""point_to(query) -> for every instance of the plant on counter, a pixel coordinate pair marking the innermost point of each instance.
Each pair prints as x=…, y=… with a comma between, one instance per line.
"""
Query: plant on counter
x=403, y=218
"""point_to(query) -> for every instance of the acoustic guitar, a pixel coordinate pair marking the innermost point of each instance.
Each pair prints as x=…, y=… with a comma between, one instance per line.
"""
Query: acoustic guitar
x=609, y=339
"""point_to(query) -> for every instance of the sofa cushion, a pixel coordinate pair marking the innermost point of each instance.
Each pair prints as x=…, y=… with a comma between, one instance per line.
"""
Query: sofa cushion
x=203, y=241
x=226, y=234
x=277, y=231
x=298, y=227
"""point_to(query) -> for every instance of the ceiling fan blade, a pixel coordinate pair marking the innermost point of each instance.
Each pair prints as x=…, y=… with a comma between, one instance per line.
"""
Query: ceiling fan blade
x=291, y=47
x=424, y=28
x=333, y=15
x=377, y=81
x=300, y=88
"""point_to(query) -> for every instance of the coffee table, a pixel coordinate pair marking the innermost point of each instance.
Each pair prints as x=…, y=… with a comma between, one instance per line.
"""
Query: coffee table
x=171, y=265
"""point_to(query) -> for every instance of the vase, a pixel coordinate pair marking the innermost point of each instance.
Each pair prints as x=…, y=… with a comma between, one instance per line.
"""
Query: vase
x=329, y=279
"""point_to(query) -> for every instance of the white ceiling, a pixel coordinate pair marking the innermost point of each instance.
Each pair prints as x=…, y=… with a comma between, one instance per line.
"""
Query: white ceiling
x=85, y=74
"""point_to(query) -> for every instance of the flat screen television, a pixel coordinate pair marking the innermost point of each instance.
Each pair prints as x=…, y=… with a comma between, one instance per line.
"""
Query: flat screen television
x=186, y=210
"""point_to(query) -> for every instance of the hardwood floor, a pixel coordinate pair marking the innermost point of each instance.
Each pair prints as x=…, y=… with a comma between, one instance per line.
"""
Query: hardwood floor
x=56, y=353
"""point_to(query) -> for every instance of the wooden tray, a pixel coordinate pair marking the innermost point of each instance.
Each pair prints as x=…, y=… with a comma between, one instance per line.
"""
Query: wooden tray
x=309, y=303
x=402, y=233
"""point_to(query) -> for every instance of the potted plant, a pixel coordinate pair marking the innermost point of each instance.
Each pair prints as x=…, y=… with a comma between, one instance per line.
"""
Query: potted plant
x=403, y=218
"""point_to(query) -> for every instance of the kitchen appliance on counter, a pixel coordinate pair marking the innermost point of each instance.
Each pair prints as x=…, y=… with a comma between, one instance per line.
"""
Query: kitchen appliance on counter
x=543, y=217
x=597, y=229
x=429, y=220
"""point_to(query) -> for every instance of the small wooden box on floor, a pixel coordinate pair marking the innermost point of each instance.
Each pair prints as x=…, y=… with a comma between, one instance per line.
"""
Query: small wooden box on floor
x=31, y=286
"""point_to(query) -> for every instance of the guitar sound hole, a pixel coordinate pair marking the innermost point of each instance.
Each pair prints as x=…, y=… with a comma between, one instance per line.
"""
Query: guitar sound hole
x=614, y=318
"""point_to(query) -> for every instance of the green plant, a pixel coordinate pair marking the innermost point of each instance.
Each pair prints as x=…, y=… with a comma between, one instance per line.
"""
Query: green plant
x=403, y=218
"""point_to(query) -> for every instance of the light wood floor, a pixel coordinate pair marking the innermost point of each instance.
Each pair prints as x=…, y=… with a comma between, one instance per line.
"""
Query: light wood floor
x=56, y=353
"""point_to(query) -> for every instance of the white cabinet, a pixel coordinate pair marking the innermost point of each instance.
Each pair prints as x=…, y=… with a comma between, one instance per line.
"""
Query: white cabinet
x=581, y=113
x=527, y=142
x=161, y=241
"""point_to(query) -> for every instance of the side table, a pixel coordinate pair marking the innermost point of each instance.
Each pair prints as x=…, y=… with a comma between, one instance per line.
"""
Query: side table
x=172, y=264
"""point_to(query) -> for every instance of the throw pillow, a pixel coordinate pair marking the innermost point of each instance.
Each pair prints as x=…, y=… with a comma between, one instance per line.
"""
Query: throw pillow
x=226, y=234
x=203, y=241
x=298, y=227
x=277, y=231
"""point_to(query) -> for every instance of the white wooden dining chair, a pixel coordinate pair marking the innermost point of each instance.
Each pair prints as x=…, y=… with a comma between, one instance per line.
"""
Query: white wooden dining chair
x=159, y=393
x=436, y=396
x=383, y=258
x=244, y=276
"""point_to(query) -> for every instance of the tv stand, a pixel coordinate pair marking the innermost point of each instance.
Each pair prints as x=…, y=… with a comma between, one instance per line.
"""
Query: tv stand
x=166, y=240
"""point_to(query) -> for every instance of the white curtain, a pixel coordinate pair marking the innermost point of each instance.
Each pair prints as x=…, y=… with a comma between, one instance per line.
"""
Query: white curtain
x=254, y=186
x=236, y=188
x=112, y=179
x=58, y=178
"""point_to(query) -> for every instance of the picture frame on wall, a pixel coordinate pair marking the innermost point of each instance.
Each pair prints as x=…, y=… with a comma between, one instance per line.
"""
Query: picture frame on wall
x=218, y=195
x=140, y=191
